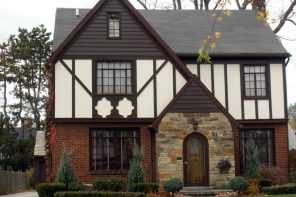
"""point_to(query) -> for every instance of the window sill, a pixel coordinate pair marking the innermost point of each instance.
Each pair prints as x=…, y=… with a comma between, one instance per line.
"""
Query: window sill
x=255, y=97
x=108, y=172
x=114, y=94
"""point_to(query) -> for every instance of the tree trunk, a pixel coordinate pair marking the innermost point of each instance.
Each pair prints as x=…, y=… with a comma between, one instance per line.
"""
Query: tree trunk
x=207, y=2
x=179, y=4
x=195, y=2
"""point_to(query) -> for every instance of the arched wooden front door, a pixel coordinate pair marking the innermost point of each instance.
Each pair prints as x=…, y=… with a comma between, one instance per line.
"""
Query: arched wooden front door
x=195, y=162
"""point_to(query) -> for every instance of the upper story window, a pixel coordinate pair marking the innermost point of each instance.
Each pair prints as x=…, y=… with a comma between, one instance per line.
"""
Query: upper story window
x=114, y=77
x=255, y=81
x=264, y=141
x=113, y=25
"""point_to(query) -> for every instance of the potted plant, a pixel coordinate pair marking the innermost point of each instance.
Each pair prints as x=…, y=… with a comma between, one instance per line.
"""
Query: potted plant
x=224, y=165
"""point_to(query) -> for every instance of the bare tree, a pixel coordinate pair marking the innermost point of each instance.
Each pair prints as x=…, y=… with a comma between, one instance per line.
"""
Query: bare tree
x=286, y=17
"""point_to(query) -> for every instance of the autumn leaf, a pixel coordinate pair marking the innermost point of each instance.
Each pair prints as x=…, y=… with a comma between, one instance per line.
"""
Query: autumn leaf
x=218, y=35
x=213, y=45
x=227, y=13
x=219, y=18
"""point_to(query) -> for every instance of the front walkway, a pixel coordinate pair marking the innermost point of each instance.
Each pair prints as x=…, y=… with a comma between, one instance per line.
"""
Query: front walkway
x=22, y=194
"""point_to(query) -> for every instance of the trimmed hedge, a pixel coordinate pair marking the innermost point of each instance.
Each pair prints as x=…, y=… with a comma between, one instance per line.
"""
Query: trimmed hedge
x=113, y=185
x=144, y=187
x=98, y=194
x=264, y=182
x=280, y=189
x=48, y=189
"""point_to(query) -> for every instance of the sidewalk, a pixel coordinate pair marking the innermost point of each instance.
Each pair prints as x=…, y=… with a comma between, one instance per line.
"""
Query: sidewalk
x=22, y=194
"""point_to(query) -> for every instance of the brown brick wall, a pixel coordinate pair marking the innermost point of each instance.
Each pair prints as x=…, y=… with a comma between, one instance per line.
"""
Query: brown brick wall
x=75, y=137
x=281, y=145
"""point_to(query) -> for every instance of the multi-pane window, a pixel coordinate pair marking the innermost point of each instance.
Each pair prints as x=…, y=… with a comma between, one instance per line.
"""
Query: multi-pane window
x=255, y=81
x=264, y=141
x=114, y=25
x=114, y=78
x=112, y=149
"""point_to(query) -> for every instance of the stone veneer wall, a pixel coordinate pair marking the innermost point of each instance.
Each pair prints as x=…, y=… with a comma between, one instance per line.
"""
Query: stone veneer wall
x=172, y=130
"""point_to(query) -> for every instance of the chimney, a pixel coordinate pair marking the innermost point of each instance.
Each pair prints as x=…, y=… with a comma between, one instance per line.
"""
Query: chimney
x=77, y=12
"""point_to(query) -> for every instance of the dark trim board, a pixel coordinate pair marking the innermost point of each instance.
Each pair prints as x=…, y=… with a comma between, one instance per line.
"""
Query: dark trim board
x=73, y=88
x=154, y=88
x=226, y=86
x=236, y=60
x=76, y=78
x=263, y=121
x=112, y=121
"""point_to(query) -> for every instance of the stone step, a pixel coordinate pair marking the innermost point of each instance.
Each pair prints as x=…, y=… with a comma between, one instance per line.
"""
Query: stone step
x=197, y=188
x=197, y=191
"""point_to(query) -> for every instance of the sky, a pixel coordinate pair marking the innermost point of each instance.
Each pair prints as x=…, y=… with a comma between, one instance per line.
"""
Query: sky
x=32, y=13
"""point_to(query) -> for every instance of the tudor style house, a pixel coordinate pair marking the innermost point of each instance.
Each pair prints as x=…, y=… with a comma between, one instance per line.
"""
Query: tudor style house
x=125, y=78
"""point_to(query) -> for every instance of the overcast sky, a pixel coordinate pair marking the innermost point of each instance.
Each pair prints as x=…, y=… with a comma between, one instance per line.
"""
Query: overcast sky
x=31, y=13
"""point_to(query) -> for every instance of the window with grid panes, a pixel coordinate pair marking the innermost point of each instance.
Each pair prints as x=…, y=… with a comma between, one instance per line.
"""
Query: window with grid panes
x=255, y=81
x=114, y=78
x=114, y=25
x=264, y=141
x=112, y=149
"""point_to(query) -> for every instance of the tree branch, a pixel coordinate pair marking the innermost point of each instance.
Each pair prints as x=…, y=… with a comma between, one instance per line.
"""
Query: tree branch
x=238, y=4
x=291, y=21
x=143, y=4
x=217, y=4
x=285, y=17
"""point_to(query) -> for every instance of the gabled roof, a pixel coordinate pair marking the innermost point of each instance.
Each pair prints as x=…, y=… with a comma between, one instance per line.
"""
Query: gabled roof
x=172, y=56
x=194, y=97
x=185, y=30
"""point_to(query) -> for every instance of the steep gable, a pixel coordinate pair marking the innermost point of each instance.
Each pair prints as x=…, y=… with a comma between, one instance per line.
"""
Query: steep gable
x=93, y=38
x=194, y=97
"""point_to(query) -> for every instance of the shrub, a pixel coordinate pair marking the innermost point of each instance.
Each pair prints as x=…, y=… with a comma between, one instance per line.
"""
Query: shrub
x=252, y=159
x=145, y=187
x=98, y=194
x=113, y=185
x=223, y=164
x=280, y=189
x=48, y=189
x=173, y=185
x=253, y=188
x=272, y=173
x=65, y=172
x=239, y=184
x=292, y=166
x=263, y=182
x=136, y=172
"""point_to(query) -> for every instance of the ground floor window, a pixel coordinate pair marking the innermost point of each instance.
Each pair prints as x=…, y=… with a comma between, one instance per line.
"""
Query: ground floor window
x=264, y=140
x=112, y=149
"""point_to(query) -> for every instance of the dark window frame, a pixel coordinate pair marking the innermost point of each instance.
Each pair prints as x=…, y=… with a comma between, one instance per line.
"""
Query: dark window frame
x=133, y=78
x=271, y=161
x=267, y=87
x=112, y=171
x=108, y=26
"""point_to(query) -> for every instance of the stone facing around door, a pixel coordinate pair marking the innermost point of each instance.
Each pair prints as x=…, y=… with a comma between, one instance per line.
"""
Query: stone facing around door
x=172, y=131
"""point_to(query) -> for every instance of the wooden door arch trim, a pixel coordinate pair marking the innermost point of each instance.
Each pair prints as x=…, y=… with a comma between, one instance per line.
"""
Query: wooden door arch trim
x=206, y=144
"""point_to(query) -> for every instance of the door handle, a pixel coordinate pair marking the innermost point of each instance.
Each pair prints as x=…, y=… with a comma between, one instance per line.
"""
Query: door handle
x=185, y=162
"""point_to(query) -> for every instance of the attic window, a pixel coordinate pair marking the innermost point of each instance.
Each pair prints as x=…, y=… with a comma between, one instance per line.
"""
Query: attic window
x=113, y=25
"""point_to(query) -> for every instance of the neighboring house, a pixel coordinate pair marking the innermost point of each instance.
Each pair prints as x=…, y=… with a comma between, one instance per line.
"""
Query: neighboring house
x=292, y=138
x=125, y=78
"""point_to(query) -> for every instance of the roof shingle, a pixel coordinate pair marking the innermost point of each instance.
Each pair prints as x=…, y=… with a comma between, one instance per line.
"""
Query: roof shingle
x=185, y=30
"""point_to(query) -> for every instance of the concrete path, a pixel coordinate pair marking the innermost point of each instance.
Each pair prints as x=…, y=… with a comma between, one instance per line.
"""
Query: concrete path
x=22, y=194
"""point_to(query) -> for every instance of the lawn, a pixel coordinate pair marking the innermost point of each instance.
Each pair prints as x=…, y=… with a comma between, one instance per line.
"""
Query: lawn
x=283, y=195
